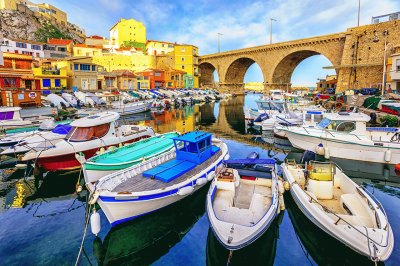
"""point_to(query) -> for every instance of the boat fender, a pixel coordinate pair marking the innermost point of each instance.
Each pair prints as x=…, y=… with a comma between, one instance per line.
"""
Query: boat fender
x=201, y=181
x=286, y=185
x=102, y=150
x=388, y=155
x=327, y=155
x=210, y=176
x=95, y=222
x=281, y=202
x=185, y=191
x=320, y=150
x=120, y=145
x=397, y=169
x=111, y=148
x=280, y=187
x=94, y=198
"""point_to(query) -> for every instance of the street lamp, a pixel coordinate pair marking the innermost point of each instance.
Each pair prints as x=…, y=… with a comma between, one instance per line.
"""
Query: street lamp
x=219, y=42
x=270, y=29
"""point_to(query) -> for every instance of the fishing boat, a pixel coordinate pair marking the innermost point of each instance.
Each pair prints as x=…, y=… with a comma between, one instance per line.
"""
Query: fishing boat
x=242, y=201
x=161, y=180
x=87, y=135
x=38, y=140
x=340, y=207
x=126, y=156
x=346, y=136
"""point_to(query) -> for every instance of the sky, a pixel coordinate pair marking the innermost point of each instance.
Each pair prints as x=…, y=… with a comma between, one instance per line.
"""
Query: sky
x=243, y=23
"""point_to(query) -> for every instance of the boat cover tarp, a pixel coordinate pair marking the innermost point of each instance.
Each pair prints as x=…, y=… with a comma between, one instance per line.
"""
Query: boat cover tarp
x=254, y=173
x=371, y=102
x=62, y=129
x=170, y=170
x=250, y=161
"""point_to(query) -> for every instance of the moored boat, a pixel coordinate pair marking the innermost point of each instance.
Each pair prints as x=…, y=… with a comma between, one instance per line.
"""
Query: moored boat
x=341, y=208
x=160, y=181
x=88, y=135
x=242, y=201
x=126, y=156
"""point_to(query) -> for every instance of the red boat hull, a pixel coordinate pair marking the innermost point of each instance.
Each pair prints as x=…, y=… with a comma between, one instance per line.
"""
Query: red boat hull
x=68, y=161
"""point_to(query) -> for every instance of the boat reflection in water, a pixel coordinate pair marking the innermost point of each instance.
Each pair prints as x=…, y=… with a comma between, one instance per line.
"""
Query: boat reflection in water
x=146, y=239
x=261, y=252
x=317, y=244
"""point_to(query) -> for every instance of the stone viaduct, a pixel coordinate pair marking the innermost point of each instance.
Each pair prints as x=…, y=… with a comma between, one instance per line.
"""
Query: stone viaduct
x=356, y=55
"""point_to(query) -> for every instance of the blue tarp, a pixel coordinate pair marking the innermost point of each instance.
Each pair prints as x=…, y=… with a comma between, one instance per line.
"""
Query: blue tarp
x=170, y=170
x=250, y=161
x=62, y=129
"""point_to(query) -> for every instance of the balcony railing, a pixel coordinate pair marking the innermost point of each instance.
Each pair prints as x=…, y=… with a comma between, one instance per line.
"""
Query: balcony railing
x=50, y=71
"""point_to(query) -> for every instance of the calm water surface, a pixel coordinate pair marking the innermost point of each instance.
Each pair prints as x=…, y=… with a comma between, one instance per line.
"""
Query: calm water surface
x=48, y=229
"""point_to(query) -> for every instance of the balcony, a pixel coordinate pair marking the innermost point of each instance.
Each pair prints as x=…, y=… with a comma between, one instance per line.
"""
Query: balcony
x=50, y=71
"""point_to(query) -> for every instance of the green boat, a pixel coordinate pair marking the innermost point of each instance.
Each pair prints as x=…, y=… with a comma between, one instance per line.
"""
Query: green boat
x=126, y=156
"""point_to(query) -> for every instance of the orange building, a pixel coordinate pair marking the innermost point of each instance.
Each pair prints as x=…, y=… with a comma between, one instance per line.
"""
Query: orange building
x=156, y=77
x=17, y=84
x=174, y=79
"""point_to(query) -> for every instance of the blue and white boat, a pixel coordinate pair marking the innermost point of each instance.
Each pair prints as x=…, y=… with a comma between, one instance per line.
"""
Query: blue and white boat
x=243, y=200
x=161, y=180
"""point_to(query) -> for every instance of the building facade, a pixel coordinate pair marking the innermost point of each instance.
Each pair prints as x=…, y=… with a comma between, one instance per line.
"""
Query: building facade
x=156, y=77
x=174, y=79
x=394, y=70
x=128, y=33
x=50, y=76
x=87, y=50
x=327, y=83
x=186, y=59
x=34, y=49
x=120, y=61
x=158, y=47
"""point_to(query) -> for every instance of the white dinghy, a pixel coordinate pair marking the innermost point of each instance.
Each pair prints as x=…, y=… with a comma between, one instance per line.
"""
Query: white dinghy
x=243, y=202
x=341, y=208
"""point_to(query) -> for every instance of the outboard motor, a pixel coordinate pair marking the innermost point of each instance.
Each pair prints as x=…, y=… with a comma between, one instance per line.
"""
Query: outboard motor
x=253, y=155
x=307, y=157
x=373, y=117
x=261, y=118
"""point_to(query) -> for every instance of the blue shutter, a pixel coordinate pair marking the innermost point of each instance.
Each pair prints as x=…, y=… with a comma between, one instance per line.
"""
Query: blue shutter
x=58, y=83
x=46, y=83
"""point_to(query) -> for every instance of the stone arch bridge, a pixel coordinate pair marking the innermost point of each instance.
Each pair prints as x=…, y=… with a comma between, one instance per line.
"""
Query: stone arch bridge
x=356, y=55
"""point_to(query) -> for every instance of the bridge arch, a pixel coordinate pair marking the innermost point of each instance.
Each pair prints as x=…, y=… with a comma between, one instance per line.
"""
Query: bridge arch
x=237, y=69
x=283, y=71
x=207, y=74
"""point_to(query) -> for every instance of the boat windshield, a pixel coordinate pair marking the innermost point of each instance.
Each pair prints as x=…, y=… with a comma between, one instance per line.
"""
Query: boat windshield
x=6, y=115
x=338, y=125
x=268, y=106
x=87, y=133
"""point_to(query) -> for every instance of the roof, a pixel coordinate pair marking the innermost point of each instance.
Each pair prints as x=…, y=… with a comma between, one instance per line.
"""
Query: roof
x=124, y=72
x=96, y=37
x=95, y=120
x=17, y=56
x=60, y=41
x=25, y=41
x=160, y=42
x=343, y=116
x=193, y=136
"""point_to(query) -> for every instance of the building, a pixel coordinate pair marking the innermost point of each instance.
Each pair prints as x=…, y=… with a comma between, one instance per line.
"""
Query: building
x=124, y=60
x=393, y=79
x=81, y=73
x=126, y=80
x=50, y=76
x=128, y=33
x=87, y=50
x=18, y=86
x=143, y=83
x=96, y=40
x=159, y=47
x=34, y=49
x=174, y=79
x=327, y=83
x=49, y=11
x=254, y=86
x=186, y=59
x=156, y=77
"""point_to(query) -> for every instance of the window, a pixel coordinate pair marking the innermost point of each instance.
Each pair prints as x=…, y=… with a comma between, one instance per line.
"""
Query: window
x=398, y=65
x=157, y=74
x=183, y=67
x=7, y=63
x=10, y=82
x=125, y=83
x=182, y=59
x=93, y=68
x=182, y=50
x=23, y=64
x=36, y=47
x=21, y=45
x=6, y=115
x=76, y=66
x=57, y=82
x=46, y=83
x=61, y=49
x=85, y=67
x=108, y=82
x=87, y=133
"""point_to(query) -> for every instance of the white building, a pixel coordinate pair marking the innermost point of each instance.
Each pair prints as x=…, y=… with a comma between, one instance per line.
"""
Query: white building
x=158, y=47
x=22, y=47
x=395, y=70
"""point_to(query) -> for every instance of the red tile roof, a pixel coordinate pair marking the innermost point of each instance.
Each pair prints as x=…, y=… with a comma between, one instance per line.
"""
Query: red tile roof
x=96, y=37
x=59, y=41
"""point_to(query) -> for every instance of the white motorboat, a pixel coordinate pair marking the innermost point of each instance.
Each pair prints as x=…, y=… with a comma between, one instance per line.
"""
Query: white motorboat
x=88, y=135
x=129, y=108
x=265, y=109
x=57, y=101
x=82, y=97
x=346, y=136
x=341, y=208
x=10, y=118
x=161, y=180
x=38, y=140
x=71, y=99
x=242, y=201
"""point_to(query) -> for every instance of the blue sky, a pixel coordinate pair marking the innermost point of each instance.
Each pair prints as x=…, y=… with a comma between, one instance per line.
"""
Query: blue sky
x=243, y=23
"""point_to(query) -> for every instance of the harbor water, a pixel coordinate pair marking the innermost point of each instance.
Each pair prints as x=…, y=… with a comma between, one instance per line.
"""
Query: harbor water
x=42, y=220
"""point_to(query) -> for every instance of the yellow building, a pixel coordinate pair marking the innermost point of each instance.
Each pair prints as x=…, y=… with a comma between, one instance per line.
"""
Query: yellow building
x=9, y=4
x=254, y=86
x=50, y=76
x=87, y=50
x=186, y=58
x=81, y=73
x=128, y=33
x=49, y=11
x=133, y=62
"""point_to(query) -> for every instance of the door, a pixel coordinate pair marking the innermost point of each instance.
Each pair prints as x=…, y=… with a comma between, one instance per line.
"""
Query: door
x=99, y=85
x=85, y=84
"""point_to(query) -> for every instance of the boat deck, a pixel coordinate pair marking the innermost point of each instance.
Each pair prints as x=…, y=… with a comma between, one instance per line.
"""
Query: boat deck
x=139, y=183
x=334, y=204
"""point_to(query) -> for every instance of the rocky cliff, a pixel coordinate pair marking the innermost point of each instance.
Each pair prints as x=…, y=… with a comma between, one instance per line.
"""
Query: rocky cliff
x=26, y=25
